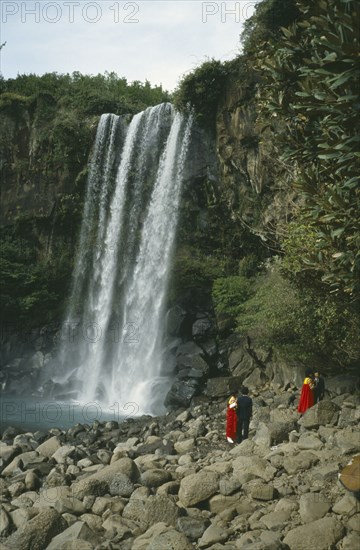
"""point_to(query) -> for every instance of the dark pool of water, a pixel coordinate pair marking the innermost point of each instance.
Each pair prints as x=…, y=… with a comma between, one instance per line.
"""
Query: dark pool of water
x=31, y=414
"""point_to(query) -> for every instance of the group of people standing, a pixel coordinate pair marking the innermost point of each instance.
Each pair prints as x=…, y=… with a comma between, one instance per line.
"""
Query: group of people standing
x=239, y=409
x=238, y=416
x=312, y=391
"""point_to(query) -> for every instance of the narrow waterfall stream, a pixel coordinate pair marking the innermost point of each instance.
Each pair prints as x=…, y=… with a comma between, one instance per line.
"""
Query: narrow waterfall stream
x=112, y=345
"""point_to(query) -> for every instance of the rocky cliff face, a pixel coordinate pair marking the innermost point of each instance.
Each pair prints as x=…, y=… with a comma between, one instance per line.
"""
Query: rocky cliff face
x=253, y=179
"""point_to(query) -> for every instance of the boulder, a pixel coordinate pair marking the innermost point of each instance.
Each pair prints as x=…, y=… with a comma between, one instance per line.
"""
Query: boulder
x=302, y=461
x=79, y=531
x=193, y=528
x=169, y=539
x=326, y=532
x=262, y=491
x=121, y=485
x=310, y=442
x=198, y=487
x=49, y=447
x=181, y=393
x=174, y=320
x=348, y=440
x=256, y=379
x=348, y=505
x=254, y=465
x=5, y=524
x=213, y=534
x=343, y=383
x=276, y=520
x=38, y=532
x=222, y=386
x=98, y=484
x=313, y=506
x=202, y=329
x=161, y=508
x=324, y=412
x=155, y=477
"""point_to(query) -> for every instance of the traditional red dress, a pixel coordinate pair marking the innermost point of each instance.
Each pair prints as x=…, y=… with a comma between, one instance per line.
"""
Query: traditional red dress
x=307, y=396
x=231, y=420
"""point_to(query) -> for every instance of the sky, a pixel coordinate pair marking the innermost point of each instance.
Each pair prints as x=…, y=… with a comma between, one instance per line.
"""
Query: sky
x=157, y=40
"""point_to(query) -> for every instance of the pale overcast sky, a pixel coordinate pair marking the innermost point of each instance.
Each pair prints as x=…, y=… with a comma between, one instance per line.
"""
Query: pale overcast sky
x=158, y=40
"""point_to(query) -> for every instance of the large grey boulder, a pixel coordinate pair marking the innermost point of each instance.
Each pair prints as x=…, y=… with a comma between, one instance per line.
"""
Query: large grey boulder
x=161, y=508
x=222, y=386
x=322, y=413
x=155, y=477
x=121, y=485
x=348, y=440
x=213, y=534
x=49, y=447
x=193, y=528
x=302, y=461
x=326, y=532
x=38, y=532
x=174, y=320
x=5, y=524
x=76, y=532
x=181, y=393
x=254, y=465
x=313, y=506
x=98, y=484
x=198, y=487
x=343, y=383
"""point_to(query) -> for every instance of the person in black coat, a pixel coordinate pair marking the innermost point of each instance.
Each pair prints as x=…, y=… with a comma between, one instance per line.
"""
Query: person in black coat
x=244, y=414
x=319, y=389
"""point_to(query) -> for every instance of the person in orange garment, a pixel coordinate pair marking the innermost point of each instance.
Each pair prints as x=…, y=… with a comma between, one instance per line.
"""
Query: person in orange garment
x=307, y=394
x=231, y=419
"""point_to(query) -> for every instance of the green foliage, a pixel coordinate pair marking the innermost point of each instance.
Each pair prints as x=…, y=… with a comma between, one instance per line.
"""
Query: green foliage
x=305, y=324
x=265, y=24
x=230, y=293
x=311, y=83
x=88, y=94
x=193, y=269
x=201, y=90
x=13, y=103
x=31, y=289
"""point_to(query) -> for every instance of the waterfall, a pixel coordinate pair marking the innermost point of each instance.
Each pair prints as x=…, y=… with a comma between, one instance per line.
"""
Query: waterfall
x=117, y=304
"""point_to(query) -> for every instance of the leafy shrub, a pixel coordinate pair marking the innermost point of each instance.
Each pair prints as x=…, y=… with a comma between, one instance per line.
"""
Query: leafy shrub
x=201, y=90
x=230, y=293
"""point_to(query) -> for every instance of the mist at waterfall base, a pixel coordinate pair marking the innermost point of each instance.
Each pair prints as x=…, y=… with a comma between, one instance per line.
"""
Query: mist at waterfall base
x=113, y=351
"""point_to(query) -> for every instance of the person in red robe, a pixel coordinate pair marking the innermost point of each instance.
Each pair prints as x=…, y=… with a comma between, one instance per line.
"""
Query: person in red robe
x=231, y=419
x=307, y=394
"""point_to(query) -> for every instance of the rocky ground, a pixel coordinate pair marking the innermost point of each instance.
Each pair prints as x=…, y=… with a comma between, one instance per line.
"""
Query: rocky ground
x=174, y=483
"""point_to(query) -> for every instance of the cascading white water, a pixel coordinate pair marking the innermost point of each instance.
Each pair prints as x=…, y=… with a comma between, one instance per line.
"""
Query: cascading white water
x=123, y=260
